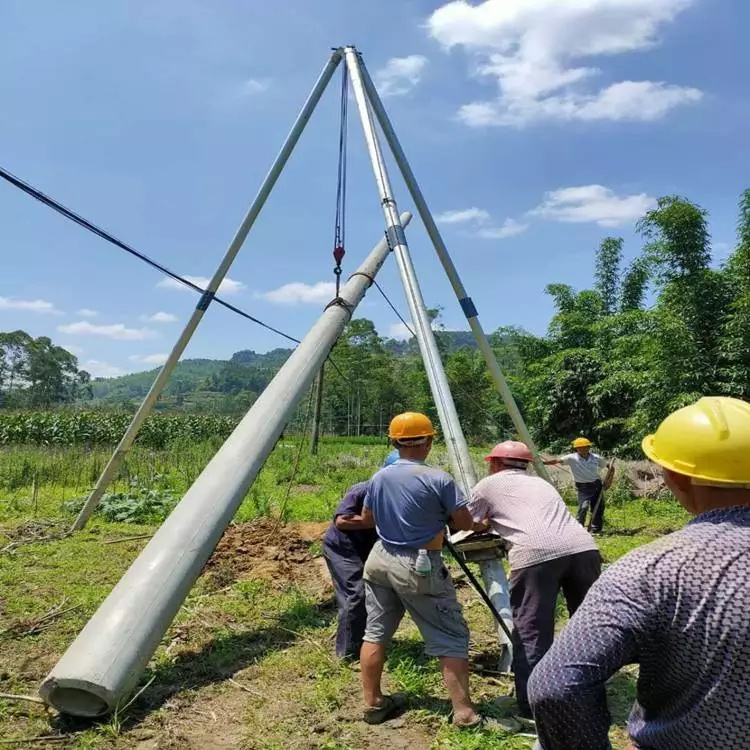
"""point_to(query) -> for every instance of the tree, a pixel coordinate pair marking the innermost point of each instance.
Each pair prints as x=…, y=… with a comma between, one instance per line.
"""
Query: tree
x=735, y=345
x=691, y=307
x=607, y=273
x=634, y=283
x=36, y=373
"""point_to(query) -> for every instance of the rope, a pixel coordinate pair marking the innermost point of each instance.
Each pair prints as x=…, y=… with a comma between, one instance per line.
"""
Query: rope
x=468, y=396
x=339, y=235
x=89, y=226
x=393, y=307
x=86, y=224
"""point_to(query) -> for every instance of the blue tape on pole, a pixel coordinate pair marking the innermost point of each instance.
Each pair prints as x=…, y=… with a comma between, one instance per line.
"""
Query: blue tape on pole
x=396, y=236
x=470, y=311
x=205, y=300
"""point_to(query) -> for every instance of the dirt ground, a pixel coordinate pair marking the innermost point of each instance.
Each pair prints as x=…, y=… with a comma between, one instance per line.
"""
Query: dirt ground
x=248, y=663
x=265, y=550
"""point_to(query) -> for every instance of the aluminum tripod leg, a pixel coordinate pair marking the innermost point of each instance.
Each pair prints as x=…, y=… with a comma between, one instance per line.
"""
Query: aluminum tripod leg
x=463, y=467
x=496, y=584
x=115, y=462
x=464, y=300
x=458, y=451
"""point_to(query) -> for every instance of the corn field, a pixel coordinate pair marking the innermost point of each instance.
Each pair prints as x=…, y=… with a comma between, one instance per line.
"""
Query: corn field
x=90, y=428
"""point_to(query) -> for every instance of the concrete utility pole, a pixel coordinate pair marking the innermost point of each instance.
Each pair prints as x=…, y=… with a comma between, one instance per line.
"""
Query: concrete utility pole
x=104, y=663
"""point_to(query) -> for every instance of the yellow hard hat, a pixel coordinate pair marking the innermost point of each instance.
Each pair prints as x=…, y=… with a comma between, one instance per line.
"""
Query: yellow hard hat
x=581, y=442
x=708, y=441
x=410, y=424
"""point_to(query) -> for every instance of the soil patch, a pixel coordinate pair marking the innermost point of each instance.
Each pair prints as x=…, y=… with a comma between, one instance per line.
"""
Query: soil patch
x=268, y=551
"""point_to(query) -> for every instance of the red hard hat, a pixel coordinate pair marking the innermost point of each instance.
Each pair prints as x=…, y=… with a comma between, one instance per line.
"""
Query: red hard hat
x=512, y=449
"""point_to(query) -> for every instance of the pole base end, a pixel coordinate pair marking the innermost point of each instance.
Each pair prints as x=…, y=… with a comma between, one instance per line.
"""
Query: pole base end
x=75, y=698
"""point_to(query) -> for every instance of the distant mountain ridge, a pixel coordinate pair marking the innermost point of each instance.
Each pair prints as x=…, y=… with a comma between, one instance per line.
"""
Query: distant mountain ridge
x=216, y=375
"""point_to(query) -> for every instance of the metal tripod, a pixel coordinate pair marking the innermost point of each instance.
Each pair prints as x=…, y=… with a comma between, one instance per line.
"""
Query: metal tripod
x=104, y=662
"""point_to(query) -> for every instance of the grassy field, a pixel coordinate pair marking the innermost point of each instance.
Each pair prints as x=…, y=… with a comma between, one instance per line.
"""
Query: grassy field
x=247, y=662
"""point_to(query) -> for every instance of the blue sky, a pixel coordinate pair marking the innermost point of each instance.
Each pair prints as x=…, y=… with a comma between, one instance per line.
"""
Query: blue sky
x=535, y=127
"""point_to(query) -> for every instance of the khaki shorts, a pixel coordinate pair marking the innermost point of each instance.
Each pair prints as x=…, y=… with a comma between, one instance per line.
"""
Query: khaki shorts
x=392, y=587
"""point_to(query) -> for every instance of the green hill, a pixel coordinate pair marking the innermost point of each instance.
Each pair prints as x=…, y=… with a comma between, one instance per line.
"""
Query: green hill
x=205, y=384
x=186, y=377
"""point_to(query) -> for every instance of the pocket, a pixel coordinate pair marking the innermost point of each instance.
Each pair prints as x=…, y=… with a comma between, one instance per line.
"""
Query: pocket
x=438, y=583
x=442, y=584
x=423, y=583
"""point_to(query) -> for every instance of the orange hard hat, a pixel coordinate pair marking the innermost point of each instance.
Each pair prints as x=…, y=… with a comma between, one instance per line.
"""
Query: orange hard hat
x=410, y=425
x=513, y=450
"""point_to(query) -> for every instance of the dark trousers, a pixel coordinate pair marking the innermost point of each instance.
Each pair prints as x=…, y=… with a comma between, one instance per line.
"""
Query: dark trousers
x=346, y=572
x=533, y=598
x=589, y=499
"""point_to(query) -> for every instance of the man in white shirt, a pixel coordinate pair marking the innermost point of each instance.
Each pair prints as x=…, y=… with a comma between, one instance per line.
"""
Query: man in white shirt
x=585, y=465
x=549, y=551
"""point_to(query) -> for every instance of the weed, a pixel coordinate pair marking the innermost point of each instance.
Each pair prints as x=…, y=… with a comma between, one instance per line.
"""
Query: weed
x=140, y=504
x=411, y=670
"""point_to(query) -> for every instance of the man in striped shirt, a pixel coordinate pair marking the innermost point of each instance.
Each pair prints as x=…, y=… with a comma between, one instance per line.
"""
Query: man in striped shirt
x=677, y=607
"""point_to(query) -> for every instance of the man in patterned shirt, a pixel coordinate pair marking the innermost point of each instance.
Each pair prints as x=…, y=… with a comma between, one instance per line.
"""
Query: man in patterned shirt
x=677, y=607
x=549, y=551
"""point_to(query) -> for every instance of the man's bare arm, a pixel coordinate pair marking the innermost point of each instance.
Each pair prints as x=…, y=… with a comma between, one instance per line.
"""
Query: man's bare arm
x=462, y=520
x=352, y=522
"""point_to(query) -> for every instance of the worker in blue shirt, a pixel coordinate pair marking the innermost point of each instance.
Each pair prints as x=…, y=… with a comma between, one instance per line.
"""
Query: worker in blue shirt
x=677, y=607
x=410, y=504
x=346, y=545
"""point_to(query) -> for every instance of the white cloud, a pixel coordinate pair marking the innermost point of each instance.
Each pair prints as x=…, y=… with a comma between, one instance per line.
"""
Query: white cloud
x=36, y=305
x=593, y=203
x=228, y=286
x=159, y=317
x=399, y=331
x=478, y=216
x=399, y=75
x=510, y=228
x=462, y=215
x=532, y=48
x=253, y=86
x=85, y=312
x=98, y=369
x=296, y=292
x=116, y=331
x=149, y=359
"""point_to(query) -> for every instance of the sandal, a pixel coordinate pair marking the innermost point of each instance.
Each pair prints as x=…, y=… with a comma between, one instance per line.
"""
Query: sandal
x=378, y=714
